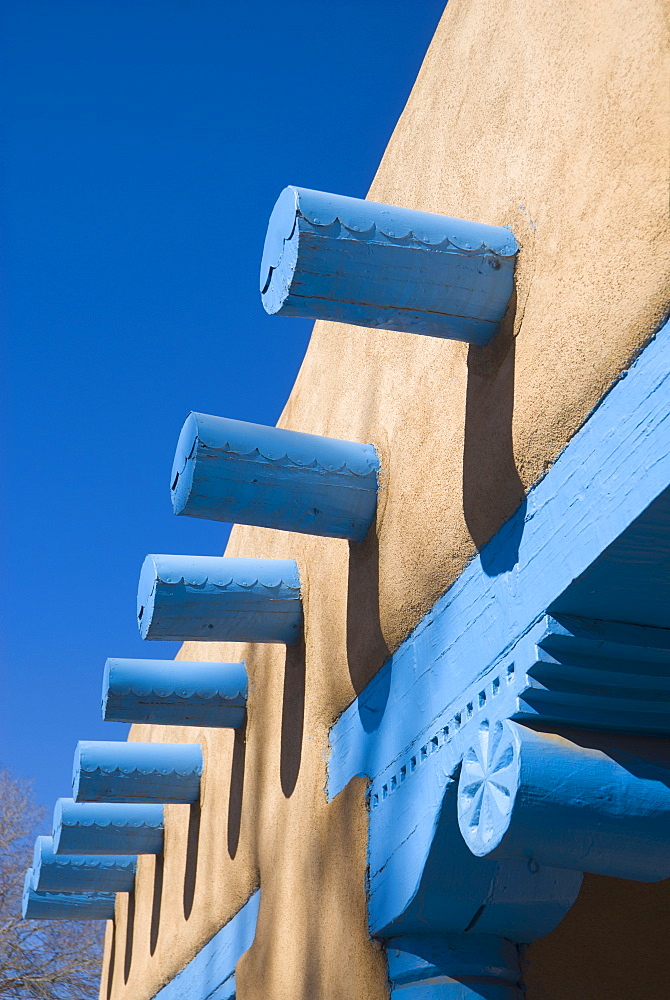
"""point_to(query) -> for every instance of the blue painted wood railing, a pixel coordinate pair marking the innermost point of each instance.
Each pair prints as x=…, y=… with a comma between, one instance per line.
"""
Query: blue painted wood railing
x=175, y=692
x=80, y=872
x=360, y=262
x=108, y=771
x=65, y=906
x=542, y=799
x=219, y=599
x=229, y=470
x=107, y=828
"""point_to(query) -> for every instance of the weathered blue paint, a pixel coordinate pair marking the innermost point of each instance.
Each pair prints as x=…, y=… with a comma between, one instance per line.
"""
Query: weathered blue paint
x=541, y=798
x=211, y=974
x=461, y=658
x=136, y=772
x=65, y=906
x=361, y=262
x=453, y=967
x=594, y=674
x=80, y=872
x=107, y=828
x=423, y=878
x=230, y=470
x=175, y=692
x=219, y=599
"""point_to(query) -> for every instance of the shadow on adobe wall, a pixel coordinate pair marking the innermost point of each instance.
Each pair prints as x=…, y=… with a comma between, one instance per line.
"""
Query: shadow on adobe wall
x=366, y=647
x=492, y=489
x=191, y=870
x=157, y=902
x=236, y=792
x=130, y=929
x=112, y=959
x=293, y=716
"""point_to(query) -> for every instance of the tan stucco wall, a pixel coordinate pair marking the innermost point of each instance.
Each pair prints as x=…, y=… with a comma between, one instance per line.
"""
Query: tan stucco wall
x=551, y=118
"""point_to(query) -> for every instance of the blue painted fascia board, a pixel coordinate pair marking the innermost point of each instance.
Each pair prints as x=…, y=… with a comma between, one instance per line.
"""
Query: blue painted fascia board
x=609, y=473
x=211, y=974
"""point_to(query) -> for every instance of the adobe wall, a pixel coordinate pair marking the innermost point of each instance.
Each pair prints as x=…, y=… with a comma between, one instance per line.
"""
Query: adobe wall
x=550, y=118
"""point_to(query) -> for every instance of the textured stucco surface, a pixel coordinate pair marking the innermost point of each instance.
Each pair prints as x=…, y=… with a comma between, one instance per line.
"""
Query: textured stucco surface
x=550, y=118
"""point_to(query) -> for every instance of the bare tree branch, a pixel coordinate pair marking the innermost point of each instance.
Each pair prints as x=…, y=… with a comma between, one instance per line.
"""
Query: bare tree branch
x=39, y=959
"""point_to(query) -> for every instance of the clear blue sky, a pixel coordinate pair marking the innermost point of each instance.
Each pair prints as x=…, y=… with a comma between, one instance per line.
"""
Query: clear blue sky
x=144, y=143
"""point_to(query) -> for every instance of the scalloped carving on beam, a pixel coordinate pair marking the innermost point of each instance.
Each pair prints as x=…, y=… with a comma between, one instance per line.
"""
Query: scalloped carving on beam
x=110, y=771
x=175, y=693
x=542, y=799
x=361, y=262
x=80, y=872
x=107, y=828
x=231, y=470
x=219, y=599
x=65, y=906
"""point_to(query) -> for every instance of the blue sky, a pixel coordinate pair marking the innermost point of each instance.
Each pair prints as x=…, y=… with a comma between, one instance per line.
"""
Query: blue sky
x=143, y=146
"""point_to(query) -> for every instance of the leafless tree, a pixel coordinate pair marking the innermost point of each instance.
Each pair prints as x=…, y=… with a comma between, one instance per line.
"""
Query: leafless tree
x=39, y=959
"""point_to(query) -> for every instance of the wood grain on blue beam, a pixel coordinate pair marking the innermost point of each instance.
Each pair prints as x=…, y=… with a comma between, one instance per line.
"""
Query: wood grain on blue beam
x=65, y=906
x=108, y=771
x=453, y=967
x=230, y=470
x=107, y=828
x=219, y=599
x=541, y=798
x=80, y=872
x=175, y=692
x=361, y=262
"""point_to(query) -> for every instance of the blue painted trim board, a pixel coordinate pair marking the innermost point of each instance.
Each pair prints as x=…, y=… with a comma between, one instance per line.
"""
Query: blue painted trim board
x=175, y=692
x=64, y=905
x=355, y=261
x=80, y=872
x=231, y=470
x=219, y=599
x=460, y=656
x=107, y=828
x=211, y=974
x=110, y=771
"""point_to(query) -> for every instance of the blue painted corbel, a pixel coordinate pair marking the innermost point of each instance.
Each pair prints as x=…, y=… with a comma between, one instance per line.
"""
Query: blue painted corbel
x=136, y=772
x=453, y=967
x=80, y=872
x=542, y=799
x=65, y=906
x=107, y=828
x=361, y=262
x=220, y=599
x=229, y=470
x=175, y=693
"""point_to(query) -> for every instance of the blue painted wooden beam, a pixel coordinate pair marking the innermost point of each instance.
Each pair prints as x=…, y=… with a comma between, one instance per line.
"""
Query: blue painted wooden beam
x=543, y=799
x=65, y=906
x=453, y=967
x=219, y=599
x=107, y=828
x=361, y=262
x=230, y=470
x=80, y=872
x=424, y=880
x=108, y=771
x=175, y=693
